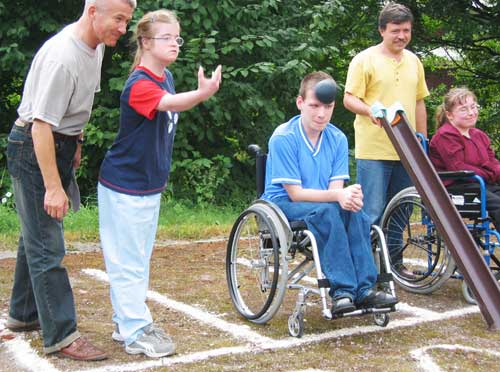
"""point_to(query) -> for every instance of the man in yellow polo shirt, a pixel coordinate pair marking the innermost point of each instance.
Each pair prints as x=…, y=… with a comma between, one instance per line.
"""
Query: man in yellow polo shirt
x=387, y=73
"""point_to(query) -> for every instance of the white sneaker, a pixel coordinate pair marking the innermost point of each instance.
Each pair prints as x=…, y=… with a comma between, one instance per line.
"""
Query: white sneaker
x=116, y=336
x=153, y=342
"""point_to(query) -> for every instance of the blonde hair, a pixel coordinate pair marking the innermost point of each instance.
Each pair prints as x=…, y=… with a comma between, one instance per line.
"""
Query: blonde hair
x=144, y=29
x=456, y=96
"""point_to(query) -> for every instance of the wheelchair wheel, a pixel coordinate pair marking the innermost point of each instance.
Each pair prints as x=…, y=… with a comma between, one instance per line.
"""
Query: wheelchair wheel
x=381, y=319
x=254, y=264
x=468, y=295
x=296, y=324
x=424, y=262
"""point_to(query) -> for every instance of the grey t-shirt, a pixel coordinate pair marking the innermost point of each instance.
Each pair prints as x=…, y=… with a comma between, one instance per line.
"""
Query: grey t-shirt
x=61, y=83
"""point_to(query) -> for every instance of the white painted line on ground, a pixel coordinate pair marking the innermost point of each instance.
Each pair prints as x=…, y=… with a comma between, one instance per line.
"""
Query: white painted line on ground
x=417, y=311
x=264, y=343
x=182, y=359
x=237, y=331
x=345, y=332
x=28, y=358
x=280, y=344
x=427, y=364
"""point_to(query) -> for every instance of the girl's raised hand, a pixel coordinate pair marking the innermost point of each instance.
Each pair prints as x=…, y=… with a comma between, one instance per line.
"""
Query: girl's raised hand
x=208, y=87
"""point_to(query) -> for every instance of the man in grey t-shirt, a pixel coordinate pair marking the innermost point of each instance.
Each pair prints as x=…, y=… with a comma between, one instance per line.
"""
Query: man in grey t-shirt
x=43, y=150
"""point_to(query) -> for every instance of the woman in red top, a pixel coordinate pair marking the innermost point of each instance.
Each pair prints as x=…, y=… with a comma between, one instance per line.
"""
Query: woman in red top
x=459, y=145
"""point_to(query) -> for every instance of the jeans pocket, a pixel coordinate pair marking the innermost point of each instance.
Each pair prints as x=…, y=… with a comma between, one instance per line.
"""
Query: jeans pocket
x=14, y=156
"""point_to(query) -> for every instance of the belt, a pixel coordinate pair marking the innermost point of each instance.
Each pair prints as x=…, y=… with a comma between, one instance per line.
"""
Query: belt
x=59, y=136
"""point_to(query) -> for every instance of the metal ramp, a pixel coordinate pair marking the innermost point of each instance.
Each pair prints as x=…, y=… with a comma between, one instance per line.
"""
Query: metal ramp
x=447, y=219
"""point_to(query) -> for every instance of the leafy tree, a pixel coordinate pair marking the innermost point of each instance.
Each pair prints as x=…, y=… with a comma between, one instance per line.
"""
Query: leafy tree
x=467, y=32
x=265, y=48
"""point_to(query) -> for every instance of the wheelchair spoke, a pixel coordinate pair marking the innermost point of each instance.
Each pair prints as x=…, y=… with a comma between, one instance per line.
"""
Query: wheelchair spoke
x=252, y=264
x=419, y=259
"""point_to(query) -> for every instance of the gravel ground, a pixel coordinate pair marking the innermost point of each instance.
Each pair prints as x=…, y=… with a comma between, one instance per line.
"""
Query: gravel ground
x=188, y=281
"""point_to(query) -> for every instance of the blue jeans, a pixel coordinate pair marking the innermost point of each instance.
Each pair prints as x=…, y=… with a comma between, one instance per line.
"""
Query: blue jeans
x=380, y=181
x=344, y=246
x=41, y=287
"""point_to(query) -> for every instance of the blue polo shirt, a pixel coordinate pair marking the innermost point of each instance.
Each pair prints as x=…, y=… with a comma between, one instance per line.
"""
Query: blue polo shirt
x=293, y=160
x=138, y=162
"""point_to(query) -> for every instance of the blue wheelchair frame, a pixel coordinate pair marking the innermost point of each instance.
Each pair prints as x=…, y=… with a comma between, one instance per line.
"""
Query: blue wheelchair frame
x=429, y=279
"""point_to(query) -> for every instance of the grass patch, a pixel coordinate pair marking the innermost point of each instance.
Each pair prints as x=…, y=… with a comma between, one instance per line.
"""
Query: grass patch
x=178, y=220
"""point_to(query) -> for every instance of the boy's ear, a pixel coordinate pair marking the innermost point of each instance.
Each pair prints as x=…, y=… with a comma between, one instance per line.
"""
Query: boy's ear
x=299, y=102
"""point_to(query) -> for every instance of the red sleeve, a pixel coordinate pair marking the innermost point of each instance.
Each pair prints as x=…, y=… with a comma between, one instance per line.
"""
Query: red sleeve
x=451, y=155
x=145, y=96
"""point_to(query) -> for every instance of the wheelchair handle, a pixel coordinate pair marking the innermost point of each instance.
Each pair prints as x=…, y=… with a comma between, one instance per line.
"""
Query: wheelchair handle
x=254, y=149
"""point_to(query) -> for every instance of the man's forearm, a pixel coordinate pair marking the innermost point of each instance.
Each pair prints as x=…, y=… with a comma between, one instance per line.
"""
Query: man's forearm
x=355, y=105
x=43, y=142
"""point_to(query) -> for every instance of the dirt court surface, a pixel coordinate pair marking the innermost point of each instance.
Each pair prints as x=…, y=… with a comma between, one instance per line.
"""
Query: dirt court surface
x=189, y=298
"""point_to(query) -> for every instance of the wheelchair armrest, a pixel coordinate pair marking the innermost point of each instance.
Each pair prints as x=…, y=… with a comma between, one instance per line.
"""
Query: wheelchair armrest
x=454, y=175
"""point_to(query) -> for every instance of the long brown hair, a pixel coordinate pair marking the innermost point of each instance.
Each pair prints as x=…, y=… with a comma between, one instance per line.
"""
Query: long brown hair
x=144, y=29
x=455, y=96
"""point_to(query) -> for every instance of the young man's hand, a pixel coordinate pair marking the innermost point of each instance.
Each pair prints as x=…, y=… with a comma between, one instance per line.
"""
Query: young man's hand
x=351, y=198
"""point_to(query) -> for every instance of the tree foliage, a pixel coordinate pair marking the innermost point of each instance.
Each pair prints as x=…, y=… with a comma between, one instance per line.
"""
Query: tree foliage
x=467, y=33
x=265, y=48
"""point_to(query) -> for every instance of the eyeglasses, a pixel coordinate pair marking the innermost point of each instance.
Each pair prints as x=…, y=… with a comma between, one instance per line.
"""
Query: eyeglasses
x=178, y=40
x=464, y=110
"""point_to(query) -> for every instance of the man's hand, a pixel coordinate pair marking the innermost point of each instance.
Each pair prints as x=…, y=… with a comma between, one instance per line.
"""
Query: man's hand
x=56, y=203
x=374, y=119
x=351, y=198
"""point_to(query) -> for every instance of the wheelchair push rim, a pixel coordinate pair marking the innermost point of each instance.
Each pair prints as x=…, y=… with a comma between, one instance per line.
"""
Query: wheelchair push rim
x=255, y=265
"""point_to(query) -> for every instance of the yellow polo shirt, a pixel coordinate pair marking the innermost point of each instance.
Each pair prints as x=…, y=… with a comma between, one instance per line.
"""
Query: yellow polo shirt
x=374, y=77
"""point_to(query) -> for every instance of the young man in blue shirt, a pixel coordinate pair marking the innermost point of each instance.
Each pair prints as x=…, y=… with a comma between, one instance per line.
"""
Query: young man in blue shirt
x=307, y=166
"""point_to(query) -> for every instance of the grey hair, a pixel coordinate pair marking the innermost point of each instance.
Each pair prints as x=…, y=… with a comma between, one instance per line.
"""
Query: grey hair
x=132, y=3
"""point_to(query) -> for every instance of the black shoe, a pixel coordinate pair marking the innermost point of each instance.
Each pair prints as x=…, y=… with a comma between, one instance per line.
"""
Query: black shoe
x=342, y=305
x=378, y=299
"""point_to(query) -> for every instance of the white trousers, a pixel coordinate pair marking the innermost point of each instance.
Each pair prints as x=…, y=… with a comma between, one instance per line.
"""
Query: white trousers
x=127, y=226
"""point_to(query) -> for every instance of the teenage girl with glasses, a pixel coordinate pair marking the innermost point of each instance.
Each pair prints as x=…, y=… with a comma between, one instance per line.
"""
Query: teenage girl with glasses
x=134, y=173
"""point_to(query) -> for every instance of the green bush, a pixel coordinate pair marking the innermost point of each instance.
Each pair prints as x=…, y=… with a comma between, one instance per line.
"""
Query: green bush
x=265, y=48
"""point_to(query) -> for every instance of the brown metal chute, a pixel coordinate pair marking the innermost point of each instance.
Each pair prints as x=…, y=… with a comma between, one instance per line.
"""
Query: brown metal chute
x=450, y=225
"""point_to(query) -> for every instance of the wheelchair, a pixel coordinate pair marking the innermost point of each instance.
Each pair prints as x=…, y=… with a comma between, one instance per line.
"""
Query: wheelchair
x=267, y=254
x=426, y=261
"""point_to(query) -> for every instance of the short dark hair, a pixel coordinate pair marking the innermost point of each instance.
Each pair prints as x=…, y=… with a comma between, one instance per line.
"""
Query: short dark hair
x=394, y=13
x=310, y=80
